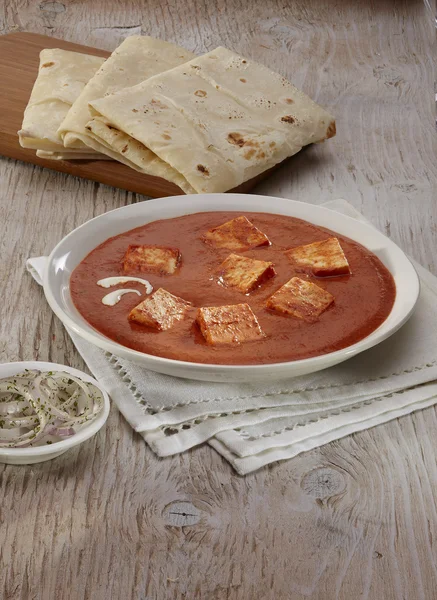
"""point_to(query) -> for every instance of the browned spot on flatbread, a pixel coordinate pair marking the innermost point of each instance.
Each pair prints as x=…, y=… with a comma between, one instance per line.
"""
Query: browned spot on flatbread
x=249, y=153
x=288, y=119
x=88, y=127
x=236, y=139
x=124, y=149
x=331, y=131
x=195, y=67
x=261, y=155
x=166, y=136
x=272, y=144
x=203, y=169
x=289, y=100
x=49, y=64
x=158, y=103
x=244, y=62
x=200, y=93
x=134, y=110
x=242, y=80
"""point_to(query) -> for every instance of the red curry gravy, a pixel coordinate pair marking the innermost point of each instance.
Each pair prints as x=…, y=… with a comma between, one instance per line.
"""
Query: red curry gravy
x=363, y=299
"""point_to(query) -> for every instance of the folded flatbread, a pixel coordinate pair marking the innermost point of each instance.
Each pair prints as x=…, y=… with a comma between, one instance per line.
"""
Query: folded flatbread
x=218, y=120
x=73, y=155
x=62, y=75
x=136, y=59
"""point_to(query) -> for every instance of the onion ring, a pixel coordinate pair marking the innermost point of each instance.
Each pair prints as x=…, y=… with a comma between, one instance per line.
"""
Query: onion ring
x=39, y=407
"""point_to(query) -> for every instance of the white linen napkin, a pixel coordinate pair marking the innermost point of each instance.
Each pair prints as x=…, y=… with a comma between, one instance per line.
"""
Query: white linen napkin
x=253, y=424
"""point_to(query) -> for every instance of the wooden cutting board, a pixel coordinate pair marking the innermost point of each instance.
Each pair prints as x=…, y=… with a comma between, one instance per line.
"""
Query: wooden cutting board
x=19, y=60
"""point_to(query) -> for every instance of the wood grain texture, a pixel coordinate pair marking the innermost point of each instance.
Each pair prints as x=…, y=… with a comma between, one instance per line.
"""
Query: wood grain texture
x=354, y=519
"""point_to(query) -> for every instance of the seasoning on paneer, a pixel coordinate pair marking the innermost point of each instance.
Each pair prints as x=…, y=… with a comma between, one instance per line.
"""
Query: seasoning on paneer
x=151, y=259
x=245, y=273
x=301, y=299
x=161, y=310
x=325, y=259
x=232, y=324
x=238, y=234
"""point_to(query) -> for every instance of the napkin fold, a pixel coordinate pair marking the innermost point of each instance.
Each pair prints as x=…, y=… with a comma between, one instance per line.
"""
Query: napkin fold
x=253, y=424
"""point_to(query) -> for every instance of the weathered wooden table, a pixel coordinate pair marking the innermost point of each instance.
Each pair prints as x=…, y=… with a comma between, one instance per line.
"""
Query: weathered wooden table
x=354, y=519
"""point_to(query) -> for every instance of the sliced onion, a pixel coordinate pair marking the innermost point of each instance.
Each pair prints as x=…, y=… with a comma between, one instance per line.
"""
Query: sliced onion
x=36, y=404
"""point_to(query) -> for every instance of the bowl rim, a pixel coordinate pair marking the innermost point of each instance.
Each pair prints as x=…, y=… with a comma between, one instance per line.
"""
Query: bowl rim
x=81, y=436
x=194, y=207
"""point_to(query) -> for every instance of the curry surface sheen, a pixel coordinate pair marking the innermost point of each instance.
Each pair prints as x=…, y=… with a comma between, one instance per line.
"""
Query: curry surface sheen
x=363, y=300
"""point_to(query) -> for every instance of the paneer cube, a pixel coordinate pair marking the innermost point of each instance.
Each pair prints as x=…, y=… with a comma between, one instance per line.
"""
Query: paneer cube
x=161, y=310
x=232, y=324
x=245, y=273
x=238, y=234
x=324, y=259
x=301, y=299
x=151, y=259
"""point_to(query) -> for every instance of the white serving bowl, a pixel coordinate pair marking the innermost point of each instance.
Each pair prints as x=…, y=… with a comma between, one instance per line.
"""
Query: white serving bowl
x=75, y=246
x=36, y=454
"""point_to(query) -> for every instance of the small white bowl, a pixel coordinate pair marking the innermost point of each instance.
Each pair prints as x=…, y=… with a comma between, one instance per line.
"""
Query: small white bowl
x=75, y=246
x=29, y=456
